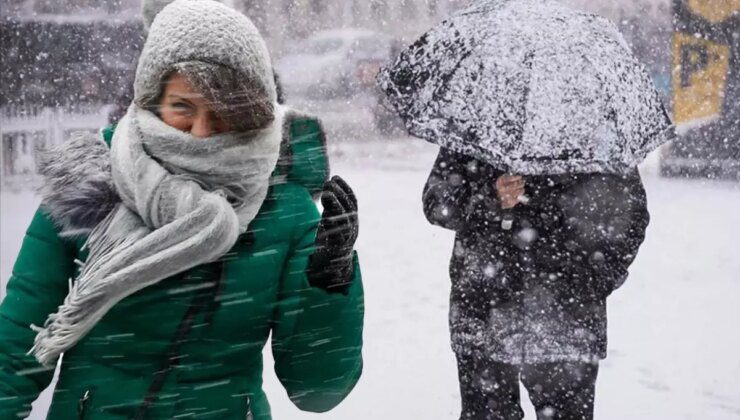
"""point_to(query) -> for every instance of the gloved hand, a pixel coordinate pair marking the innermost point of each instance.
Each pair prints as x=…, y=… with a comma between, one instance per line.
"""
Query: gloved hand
x=330, y=267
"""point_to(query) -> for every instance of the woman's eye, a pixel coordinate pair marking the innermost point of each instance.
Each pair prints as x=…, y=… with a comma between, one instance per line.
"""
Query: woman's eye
x=181, y=106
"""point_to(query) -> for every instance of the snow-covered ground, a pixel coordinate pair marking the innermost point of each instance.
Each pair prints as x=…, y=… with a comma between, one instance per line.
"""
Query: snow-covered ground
x=674, y=335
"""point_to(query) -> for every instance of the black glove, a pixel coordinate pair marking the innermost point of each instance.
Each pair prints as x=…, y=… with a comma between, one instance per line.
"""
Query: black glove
x=330, y=267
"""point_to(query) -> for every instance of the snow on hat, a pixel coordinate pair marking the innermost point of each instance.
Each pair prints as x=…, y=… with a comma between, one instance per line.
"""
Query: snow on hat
x=202, y=31
x=150, y=9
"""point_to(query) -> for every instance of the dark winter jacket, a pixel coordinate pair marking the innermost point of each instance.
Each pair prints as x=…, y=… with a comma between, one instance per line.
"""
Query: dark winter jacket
x=535, y=293
x=259, y=291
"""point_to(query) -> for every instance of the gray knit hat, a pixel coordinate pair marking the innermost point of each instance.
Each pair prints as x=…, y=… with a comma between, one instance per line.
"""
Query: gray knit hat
x=202, y=31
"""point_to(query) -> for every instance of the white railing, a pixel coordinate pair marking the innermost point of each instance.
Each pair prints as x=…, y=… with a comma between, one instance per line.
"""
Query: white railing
x=26, y=129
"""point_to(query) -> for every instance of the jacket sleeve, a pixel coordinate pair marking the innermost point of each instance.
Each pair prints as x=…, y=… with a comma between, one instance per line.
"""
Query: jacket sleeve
x=38, y=285
x=458, y=188
x=606, y=218
x=317, y=336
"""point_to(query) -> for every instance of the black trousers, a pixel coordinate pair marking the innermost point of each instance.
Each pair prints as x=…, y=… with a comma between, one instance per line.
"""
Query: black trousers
x=558, y=391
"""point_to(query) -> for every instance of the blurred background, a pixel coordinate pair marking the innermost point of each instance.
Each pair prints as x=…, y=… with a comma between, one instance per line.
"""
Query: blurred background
x=68, y=65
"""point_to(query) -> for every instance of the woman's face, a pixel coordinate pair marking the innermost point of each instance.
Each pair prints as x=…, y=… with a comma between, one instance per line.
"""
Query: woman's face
x=185, y=109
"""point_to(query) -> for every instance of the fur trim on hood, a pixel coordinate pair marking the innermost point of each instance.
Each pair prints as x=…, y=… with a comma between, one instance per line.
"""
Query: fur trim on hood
x=78, y=191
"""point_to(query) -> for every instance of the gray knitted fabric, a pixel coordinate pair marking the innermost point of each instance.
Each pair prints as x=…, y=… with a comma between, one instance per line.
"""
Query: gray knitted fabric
x=207, y=31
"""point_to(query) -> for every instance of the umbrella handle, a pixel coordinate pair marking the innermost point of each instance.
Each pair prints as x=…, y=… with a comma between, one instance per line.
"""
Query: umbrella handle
x=507, y=218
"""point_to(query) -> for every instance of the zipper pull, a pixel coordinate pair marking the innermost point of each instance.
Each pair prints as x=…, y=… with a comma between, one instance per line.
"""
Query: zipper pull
x=250, y=416
x=82, y=403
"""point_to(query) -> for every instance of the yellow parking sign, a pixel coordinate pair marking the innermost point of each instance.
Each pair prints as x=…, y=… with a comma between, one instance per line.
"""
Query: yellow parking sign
x=700, y=76
x=714, y=11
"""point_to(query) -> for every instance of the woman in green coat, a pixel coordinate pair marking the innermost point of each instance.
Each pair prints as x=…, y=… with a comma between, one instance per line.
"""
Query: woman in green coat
x=160, y=263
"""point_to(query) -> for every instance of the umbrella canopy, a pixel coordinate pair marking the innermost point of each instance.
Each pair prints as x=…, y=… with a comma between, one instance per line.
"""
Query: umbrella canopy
x=531, y=87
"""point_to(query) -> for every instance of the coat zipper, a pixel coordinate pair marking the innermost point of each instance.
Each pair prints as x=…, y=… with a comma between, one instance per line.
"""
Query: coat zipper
x=173, y=353
x=250, y=415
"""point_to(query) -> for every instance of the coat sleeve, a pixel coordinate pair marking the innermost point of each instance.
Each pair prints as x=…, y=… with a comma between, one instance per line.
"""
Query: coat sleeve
x=38, y=285
x=317, y=336
x=458, y=188
x=606, y=217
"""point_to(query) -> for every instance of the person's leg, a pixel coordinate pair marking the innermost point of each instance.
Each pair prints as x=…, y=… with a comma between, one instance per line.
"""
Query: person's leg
x=562, y=391
x=489, y=391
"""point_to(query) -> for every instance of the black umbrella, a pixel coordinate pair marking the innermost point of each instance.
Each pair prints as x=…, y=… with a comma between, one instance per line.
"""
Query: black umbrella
x=531, y=87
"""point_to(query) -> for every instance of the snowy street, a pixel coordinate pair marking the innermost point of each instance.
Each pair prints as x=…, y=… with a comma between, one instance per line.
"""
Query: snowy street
x=221, y=121
x=673, y=336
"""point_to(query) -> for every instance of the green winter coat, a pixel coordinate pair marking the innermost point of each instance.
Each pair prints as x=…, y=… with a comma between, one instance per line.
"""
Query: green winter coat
x=262, y=290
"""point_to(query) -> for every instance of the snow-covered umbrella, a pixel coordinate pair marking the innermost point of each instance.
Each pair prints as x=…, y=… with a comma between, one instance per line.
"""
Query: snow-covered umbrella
x=531, y=87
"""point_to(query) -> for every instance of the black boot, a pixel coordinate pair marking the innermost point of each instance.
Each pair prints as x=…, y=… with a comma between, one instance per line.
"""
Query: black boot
x=489, y=391
x=562, y=391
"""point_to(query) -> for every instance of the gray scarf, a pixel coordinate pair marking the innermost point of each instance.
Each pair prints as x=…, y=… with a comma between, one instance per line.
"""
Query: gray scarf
x=184, y=203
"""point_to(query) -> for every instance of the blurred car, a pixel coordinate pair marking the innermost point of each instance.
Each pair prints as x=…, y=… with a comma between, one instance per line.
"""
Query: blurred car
x=386, y=119
x=339, y=64
x=335, y=63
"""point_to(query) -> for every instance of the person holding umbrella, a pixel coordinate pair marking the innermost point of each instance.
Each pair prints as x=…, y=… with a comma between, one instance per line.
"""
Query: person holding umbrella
x=542, y=114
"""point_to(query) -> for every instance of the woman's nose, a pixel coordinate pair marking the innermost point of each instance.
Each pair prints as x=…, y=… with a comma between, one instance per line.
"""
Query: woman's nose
x=202, y=126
